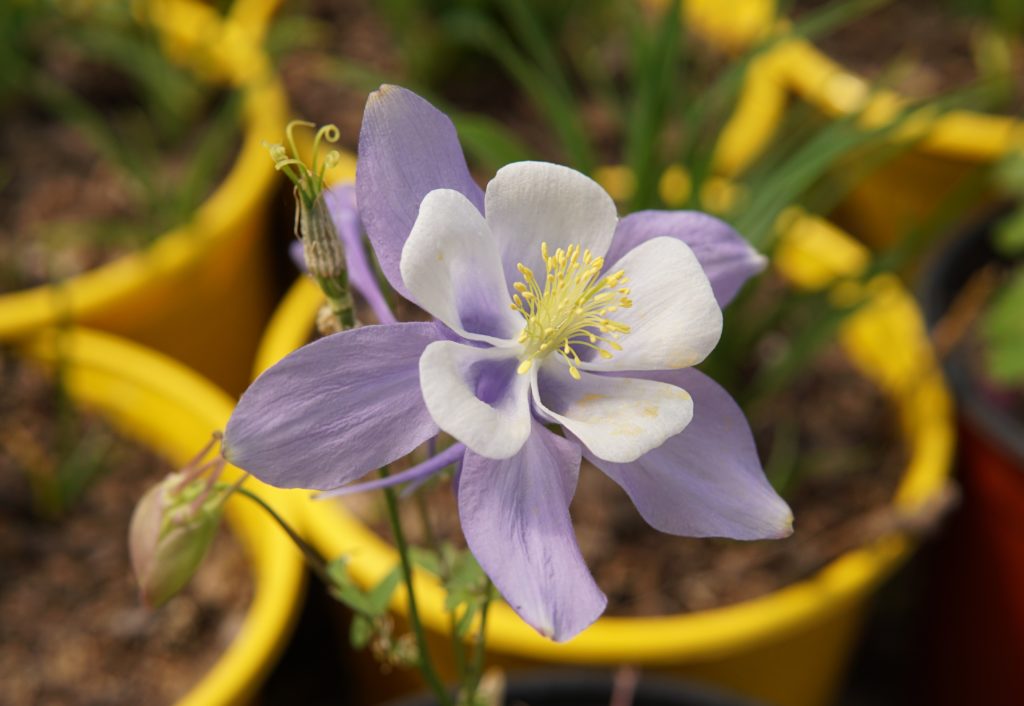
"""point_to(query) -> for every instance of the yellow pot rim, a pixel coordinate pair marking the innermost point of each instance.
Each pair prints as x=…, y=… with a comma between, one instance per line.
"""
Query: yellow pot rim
x=838, y=91
x=113, y=367
x=254, y=16
x=251, y=177
x=890, y=323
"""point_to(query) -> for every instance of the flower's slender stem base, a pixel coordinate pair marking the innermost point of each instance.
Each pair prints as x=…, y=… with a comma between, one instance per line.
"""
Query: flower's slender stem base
x=424, y=662
x=477, y=667
x=313, y=559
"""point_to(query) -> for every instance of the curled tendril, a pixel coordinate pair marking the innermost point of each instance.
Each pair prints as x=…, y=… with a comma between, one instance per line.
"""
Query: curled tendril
x=308, y=179
x=331, y=134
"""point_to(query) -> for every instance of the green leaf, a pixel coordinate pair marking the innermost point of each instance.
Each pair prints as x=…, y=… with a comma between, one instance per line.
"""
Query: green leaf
x=1009, y=174
x=380, y=594
x=466, y=582
x=465, y=621
x=426, y=559
x=1003, y=331
x=361, y=632
x=344, y=589
x=1009, y=236
x=466, y=572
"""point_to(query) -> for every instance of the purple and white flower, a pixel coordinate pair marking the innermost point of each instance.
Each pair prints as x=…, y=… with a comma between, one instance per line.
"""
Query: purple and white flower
x=550, y=310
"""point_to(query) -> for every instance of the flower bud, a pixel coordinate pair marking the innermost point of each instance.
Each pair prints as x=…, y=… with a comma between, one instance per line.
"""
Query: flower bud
x=321, y=247
x=314, y=226
x=171, y=529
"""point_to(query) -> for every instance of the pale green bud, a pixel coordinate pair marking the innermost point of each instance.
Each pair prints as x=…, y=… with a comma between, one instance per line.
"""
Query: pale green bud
x=171, y=529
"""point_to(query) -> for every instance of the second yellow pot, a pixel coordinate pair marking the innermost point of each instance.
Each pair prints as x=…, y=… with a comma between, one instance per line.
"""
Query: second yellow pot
x=172, y=410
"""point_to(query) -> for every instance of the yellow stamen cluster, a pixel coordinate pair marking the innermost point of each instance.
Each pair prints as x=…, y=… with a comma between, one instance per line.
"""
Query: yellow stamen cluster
x=572, y=309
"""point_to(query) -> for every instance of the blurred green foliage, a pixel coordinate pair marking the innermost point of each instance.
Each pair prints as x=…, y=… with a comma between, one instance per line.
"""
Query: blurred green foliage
x=1002, y=324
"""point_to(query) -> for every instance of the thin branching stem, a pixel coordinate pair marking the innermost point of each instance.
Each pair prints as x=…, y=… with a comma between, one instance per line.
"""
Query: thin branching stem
x=477, y=668
x=425, y=664
x=315, y=561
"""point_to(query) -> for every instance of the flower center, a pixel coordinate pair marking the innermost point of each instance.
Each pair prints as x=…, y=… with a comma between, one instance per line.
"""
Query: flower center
x=571, y=310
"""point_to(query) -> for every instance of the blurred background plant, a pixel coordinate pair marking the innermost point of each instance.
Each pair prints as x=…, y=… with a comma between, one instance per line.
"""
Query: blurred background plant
x=1002, y=325
x=107, y=143
x=57, y=450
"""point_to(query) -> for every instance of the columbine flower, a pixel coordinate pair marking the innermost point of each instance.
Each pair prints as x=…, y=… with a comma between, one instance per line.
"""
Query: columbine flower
x=550, y=310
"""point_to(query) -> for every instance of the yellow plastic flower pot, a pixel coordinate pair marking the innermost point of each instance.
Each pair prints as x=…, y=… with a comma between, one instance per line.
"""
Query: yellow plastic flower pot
x=201, y=292
x=172, y=410
x=254, y=16
x=941, y=149
x=789, y=647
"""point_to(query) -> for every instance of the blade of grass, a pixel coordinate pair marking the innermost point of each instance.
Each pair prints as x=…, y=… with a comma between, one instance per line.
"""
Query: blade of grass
x=654, y=60
x=486, y=141
x=479, y=32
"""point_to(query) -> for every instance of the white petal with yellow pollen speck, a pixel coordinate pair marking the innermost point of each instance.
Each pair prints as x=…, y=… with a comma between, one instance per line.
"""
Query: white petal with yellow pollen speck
x=618, y=419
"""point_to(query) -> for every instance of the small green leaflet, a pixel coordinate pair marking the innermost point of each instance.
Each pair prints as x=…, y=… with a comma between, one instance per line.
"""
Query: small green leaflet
x=1003, y=332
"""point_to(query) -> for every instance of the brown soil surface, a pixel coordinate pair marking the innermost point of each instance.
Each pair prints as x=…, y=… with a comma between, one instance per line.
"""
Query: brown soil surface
x=848, y=441
x=917, y=46
x=65, y=183
x=66, y=209
x=73, y=630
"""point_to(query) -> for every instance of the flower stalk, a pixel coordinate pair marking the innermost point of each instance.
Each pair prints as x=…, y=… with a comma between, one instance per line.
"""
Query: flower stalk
x=322, y=250
x=424, y=662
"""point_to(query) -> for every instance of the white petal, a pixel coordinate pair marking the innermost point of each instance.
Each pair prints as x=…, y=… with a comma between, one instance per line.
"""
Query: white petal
x=451, y=266
x=528, y=203
x=619, y=419
x=476, y=395
x=675, y=320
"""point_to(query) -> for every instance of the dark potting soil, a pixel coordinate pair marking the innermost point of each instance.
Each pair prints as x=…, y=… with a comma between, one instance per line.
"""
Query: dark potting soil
x=65, y=208
x=348, y=29
x=919, y=47
x=73, y=630
x=850, y=444
x=354, y=32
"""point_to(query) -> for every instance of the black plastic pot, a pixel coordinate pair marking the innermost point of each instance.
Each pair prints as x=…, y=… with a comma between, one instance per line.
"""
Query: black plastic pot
x=595, y=689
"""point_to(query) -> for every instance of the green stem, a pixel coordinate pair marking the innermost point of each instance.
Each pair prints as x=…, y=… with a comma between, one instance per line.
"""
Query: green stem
x=316, y=563
x=425, y=665
x=478, y=652
x=339, y=298
x=458, y=649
